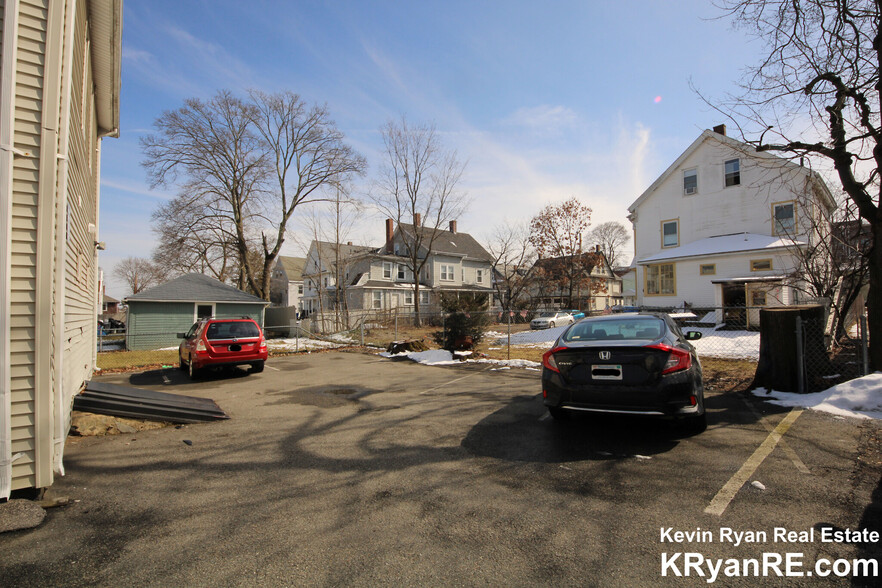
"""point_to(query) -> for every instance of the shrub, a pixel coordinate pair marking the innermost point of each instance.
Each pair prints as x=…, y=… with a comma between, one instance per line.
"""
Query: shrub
x=464, y=321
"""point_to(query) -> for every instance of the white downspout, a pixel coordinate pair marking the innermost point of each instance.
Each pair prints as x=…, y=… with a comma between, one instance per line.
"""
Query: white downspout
x=7, y=116
x=62, y=408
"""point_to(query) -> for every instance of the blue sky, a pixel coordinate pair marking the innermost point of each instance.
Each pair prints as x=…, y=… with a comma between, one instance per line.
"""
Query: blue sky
x=586, y=99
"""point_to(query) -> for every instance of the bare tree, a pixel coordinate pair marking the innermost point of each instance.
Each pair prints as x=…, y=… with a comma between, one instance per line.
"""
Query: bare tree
x=612, y=237
x=563, y=266
x=418, y=184
x=513, y=256
x=309, y=162
x=138, y=273
x=244, y=167
x=817, y=94
x=330, y=226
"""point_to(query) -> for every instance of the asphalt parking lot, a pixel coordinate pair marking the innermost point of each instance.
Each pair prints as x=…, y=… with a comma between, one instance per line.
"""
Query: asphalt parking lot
x=349, y=469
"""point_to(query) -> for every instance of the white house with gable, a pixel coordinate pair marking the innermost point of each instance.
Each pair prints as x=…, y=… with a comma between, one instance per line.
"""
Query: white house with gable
x=722, y=227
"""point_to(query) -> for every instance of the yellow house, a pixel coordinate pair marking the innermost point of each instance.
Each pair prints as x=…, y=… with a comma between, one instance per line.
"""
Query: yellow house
x=59, y=96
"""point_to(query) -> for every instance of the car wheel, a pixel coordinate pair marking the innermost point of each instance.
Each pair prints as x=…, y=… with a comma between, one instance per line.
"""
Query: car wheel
x=558, y=413
x=551, y=325
x=194, y=373
x=256, y=367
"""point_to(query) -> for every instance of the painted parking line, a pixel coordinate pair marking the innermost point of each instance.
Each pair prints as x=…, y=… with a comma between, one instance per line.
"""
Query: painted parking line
x=721, y=501
x=438, y=387
x=797, y=462
x=269, y=367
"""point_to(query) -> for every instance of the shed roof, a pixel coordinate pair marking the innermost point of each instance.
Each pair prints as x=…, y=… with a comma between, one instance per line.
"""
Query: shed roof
x=195, y=288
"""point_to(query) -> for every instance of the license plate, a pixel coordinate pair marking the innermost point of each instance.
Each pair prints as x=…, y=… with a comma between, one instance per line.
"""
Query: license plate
x=606, y=372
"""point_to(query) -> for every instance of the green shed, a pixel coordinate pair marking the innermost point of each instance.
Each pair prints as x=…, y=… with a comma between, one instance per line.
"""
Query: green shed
x=155, y=316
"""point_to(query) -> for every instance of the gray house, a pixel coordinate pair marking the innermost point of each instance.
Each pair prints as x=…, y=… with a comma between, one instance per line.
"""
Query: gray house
x=157, y=314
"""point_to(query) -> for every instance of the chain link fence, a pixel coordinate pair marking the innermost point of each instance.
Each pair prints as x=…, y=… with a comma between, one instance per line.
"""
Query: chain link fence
x=822, y=364
x=730, y=336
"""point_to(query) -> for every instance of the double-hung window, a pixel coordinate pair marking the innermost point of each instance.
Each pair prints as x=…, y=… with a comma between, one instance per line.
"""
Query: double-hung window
x=424, y=296
x=670, y=233
x=479, y=276
x=387, y=270
x=408, y=298
x=733, y=172
x=784, y=218
x=377, y=299
x=447, y=272
x=690, y=181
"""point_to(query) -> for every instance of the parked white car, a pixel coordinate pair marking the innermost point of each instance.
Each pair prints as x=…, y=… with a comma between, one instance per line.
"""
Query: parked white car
x=550, y=319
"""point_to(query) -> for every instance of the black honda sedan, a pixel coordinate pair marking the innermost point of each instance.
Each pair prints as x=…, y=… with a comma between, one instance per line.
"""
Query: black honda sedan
x=638, y=364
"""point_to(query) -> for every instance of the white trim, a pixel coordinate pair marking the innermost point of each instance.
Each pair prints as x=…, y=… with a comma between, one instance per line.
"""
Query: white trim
x=62, y=416
x=7, y=116
x=196, y=306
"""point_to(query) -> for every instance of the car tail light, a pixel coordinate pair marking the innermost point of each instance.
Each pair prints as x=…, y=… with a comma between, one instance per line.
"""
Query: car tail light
x=548, y=359
x=678, y=360
x=200, y=346
x=262, y=342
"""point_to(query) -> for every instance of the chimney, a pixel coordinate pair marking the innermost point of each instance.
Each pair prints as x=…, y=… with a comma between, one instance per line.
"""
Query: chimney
x=720, y=129
x=453, y=226
x=389, y=231
x=349, y=243
x=416, y=220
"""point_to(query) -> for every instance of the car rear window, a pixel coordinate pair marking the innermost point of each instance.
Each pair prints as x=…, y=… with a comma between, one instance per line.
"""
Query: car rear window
x=232, y=330
x=650, y=328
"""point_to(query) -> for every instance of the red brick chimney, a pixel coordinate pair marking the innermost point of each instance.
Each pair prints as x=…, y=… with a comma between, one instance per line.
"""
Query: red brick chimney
x=453, y=226
x=720, y=129
x=390, y=230
x=416, y=220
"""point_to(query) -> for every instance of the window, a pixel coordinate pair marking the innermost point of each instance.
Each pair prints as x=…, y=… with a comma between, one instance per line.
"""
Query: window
x=387, y=269
x=408, y=298
x=708, y=269
x=479, y=276
x=670, y=233
x=424, y=296
x=660, y=280
x=402, y=272
x=758, y=298
x=760, y=265
x=784, y=218
x=690, y=181
x=326, y=282
x=377, y=300
x=447, y=272
x=300, y=288
x=733, y=172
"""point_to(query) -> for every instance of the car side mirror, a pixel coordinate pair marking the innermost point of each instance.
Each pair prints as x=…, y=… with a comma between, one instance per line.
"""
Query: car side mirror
x=692, y=335
x=181, y=335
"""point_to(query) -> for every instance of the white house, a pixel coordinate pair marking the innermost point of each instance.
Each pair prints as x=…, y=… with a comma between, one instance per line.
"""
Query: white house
x=59, y=96
x=286, y=284
x=722, y=227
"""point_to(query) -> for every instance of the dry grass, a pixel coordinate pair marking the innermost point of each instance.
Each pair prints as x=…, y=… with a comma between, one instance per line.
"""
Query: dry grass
x=123, y=360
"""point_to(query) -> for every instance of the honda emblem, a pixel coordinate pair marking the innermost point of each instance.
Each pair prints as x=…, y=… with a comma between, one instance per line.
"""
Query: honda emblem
x=605, y=355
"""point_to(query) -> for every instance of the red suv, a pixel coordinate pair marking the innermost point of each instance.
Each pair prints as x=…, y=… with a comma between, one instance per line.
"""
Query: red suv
x=222, y=342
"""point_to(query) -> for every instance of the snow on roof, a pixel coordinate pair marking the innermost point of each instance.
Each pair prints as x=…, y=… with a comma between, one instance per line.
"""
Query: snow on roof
x=723, y=244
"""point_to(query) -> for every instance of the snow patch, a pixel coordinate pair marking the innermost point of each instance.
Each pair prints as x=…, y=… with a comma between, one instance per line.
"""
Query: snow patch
x=859, y=398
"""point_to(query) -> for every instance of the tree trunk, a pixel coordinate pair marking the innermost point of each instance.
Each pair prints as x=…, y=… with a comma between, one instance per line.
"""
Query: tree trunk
x=874, y=297
x=778, y=367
